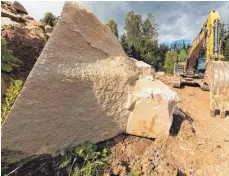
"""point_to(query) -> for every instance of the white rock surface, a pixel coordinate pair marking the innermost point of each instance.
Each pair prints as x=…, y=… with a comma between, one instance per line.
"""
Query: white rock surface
x=152, y=105
x=7, y=21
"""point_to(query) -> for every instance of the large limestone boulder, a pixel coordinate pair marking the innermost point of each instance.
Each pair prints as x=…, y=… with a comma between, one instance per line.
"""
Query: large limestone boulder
x=76, y=91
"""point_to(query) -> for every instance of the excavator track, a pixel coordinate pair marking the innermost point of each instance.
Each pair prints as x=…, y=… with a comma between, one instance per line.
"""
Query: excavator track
x=217, y=77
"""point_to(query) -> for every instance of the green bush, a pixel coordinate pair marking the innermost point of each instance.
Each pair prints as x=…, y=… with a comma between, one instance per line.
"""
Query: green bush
x=8, y=61
x=11, y=95
x=49, y=18
x=86, y=160
x=170, y=60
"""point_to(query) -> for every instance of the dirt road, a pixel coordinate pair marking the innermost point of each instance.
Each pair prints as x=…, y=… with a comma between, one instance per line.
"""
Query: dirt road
x=198, y=144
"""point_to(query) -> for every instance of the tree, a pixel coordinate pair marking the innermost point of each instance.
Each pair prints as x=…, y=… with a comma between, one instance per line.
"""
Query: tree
x=187, y=47
x=8, y=61
x=49, y=19
x=226, y=50
x=149, y=27
x=225, y=43
x=113, y=26
x=133, y=24
x=125, y=45
x=170, y=60
x=162, y=50
x=183, y=45
x=183, y=54
x=142, y=37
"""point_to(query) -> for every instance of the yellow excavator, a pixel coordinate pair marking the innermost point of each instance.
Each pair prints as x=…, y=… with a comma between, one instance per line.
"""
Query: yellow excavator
x=204, y=65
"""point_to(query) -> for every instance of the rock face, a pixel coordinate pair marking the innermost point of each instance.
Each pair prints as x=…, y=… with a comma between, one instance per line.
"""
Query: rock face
x=76, y=91
x=7, y=21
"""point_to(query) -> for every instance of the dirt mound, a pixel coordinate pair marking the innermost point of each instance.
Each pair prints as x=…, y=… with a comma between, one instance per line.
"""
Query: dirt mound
x=197, y=145
x=132, y=154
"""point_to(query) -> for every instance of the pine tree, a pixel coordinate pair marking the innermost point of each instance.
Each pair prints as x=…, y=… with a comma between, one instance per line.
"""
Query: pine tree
x=113, y=26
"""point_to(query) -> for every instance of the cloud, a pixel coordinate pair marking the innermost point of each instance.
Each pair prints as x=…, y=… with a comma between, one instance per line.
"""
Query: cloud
x=37, y=9
x=176, y=20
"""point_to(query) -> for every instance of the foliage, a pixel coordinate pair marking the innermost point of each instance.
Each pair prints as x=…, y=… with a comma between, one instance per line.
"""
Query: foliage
x=183, y=47
x=8, y=61
x=11, y=95
x=136, y=173
x=178, y=46
x=183, y=54
x=162, y=50
x=226, y=50
x=86, y=160
x=149, y=27
x=113, y=25
x=140, y=40
x=133, y=26
x=225, y=43
x=170, y=60
x=49, y=19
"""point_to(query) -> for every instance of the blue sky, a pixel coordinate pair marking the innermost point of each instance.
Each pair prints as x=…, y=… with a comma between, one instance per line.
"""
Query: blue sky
x=176, y=20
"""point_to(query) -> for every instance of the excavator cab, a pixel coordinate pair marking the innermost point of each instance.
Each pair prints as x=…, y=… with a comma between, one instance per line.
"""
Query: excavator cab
x=201, y=67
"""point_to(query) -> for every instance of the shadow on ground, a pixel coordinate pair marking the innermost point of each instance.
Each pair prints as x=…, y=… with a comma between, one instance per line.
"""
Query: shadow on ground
x=179, y=117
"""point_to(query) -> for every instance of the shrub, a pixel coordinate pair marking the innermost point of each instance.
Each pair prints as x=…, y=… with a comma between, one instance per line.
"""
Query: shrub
x=170, y=60
x=8, y=61
x=49, y=19
x=11, y=95
x=87, y=160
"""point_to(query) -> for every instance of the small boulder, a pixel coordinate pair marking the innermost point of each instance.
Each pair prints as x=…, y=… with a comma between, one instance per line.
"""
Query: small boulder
x=12, y=16
x=19, y=7
x=28, y=17
x=145, y=69
x=48, y=29
x=152, y=105
x=7, y=21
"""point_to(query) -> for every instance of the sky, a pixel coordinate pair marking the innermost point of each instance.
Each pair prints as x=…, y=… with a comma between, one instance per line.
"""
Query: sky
x=176, y=21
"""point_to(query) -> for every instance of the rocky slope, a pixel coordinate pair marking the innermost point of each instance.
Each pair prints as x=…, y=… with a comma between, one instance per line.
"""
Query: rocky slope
x=25, y=36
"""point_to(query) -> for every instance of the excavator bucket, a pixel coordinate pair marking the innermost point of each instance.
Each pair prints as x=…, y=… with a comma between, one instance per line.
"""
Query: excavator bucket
x=217, y=77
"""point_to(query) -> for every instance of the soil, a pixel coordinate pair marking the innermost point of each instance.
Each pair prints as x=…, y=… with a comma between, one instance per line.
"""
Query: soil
x=198, y=144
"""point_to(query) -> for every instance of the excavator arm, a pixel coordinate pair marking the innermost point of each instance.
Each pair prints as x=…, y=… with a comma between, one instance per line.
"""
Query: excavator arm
x=209, y=39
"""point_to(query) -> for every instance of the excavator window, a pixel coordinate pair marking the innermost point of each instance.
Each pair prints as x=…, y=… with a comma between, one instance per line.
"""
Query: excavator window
x=201, y=67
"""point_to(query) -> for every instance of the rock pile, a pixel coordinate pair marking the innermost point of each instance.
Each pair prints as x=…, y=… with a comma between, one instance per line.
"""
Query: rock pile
x=25, y=36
